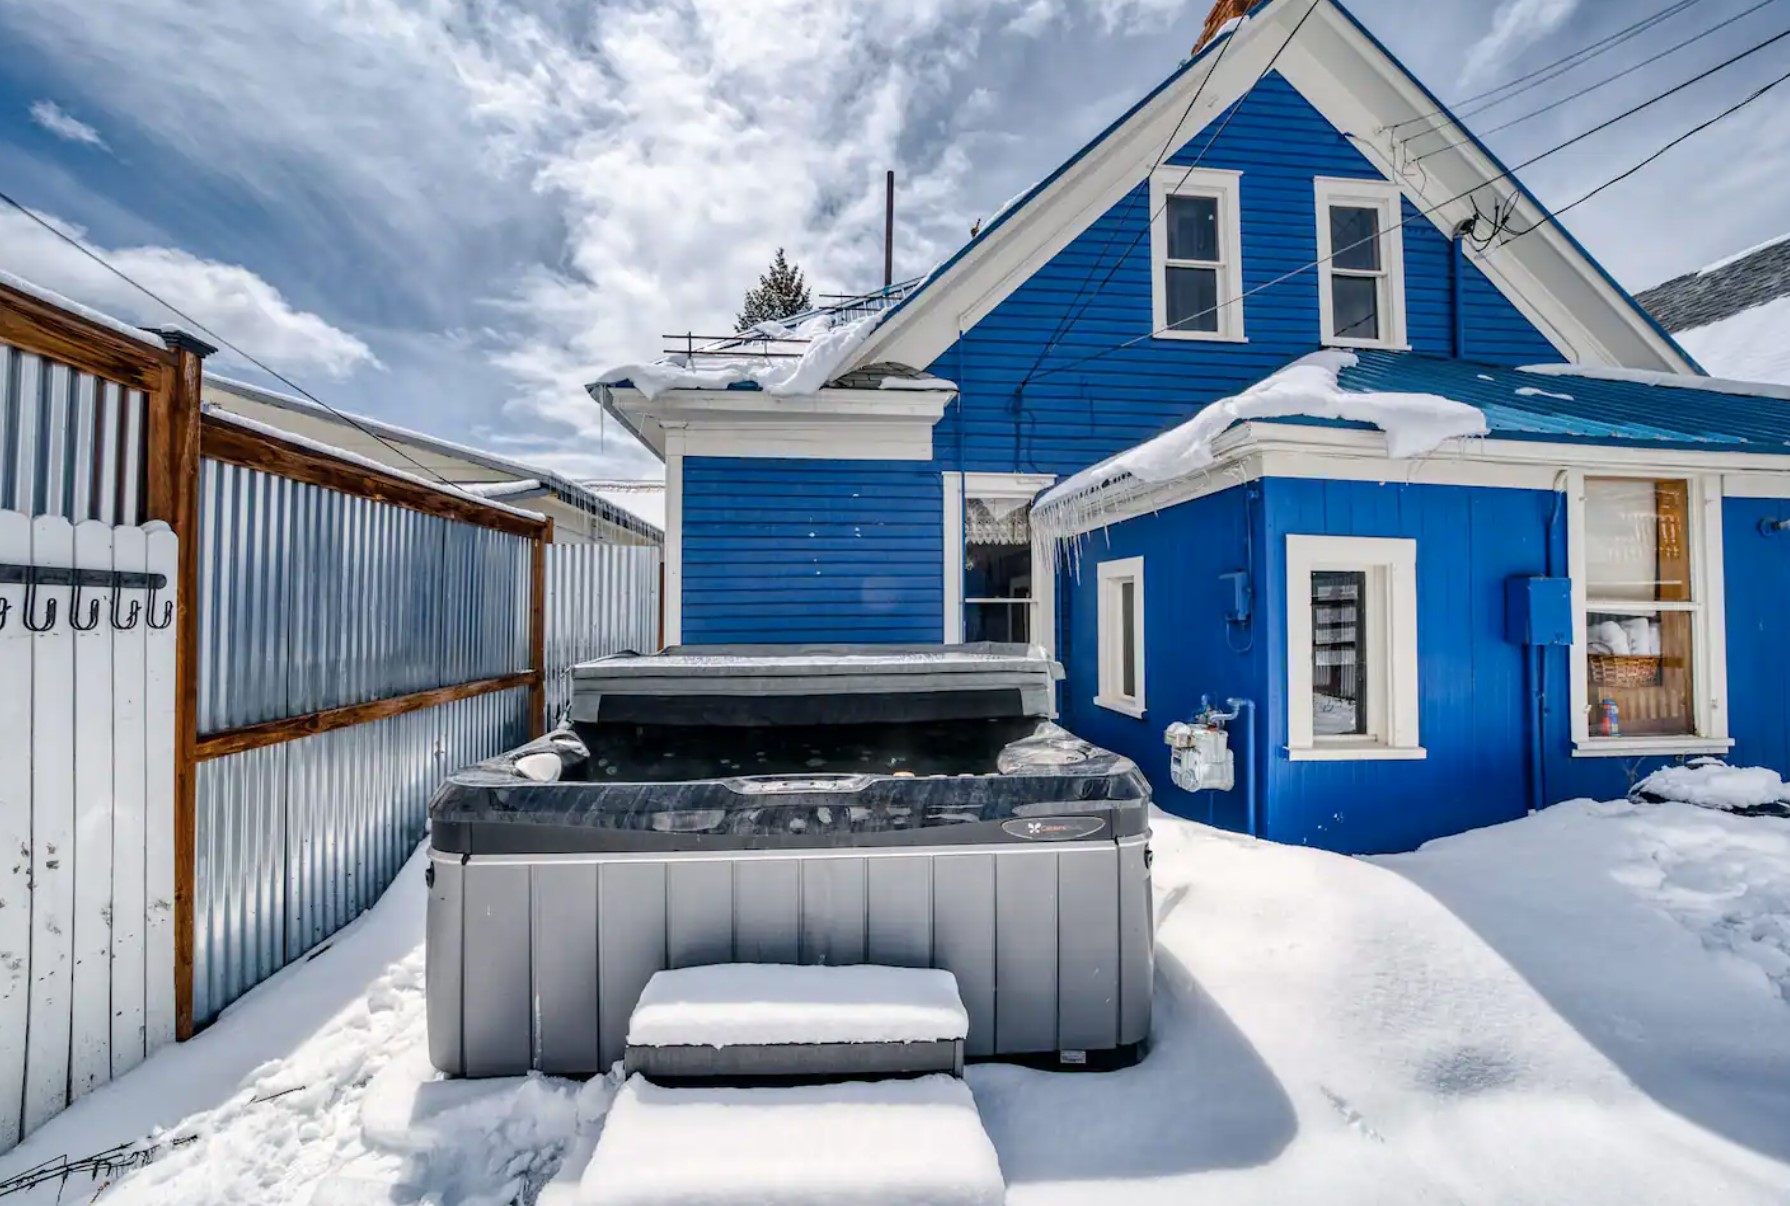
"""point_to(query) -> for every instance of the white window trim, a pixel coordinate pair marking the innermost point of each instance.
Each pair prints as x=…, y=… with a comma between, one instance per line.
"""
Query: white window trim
x=1709, y=632
x=1111, y=636
x=1223, y=185
x=1367, y=194
x=961, y=486
x=1392, y=566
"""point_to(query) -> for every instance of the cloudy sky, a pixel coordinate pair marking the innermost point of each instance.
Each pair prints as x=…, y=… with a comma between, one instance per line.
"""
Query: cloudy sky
x=449, y=213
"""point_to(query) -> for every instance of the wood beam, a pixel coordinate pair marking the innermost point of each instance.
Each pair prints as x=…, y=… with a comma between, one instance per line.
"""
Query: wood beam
x=36, y=326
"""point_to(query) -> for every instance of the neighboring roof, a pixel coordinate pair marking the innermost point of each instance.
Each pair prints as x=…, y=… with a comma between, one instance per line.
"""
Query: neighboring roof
x=880, y=374
x=544, y=481
x=1723, y=289
x=1338, y=65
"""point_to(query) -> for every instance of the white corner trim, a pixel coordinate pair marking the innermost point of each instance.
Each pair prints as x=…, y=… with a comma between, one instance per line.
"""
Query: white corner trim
x=954, y=487
x=1650, y=747
x=841, y=424
x=1363, y=752
x=1122, y=706
x=1385, y=198
x=1390, y=629
x=1224, y=187
x=1110, y=636
x=673, y=602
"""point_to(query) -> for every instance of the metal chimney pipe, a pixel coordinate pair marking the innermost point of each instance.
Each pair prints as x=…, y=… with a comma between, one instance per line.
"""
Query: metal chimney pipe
x=889, y=230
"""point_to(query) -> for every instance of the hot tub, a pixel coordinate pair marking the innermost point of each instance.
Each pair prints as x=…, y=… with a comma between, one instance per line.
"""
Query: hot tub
x=910, y=806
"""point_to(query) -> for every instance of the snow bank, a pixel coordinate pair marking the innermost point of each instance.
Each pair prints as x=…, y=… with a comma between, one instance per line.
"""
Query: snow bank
x=831, y=345
x=888, y=1143
x=1710, y=783
x=1750, y=345
x=750, y=1003
x=1415, y=424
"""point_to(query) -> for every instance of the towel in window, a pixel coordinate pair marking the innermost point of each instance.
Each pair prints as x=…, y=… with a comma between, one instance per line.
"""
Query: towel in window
x=1639, y=633
x=1608, y=638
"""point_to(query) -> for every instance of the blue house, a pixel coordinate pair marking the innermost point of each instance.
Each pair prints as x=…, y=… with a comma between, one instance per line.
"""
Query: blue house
x=1501, y=545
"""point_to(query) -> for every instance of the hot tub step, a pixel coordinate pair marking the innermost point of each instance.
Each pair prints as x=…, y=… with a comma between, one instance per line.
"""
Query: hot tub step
x=756, y=1021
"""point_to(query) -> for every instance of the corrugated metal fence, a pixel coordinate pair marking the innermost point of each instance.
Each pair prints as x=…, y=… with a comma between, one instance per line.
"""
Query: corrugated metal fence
x=601, y=598
x=71, y=444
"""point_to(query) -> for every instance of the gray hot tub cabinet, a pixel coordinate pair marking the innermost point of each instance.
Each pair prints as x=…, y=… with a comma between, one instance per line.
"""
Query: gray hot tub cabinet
x=551, y=904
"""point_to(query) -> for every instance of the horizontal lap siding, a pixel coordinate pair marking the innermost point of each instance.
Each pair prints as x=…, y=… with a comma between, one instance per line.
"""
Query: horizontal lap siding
x=805, y=550
x=1076, y=414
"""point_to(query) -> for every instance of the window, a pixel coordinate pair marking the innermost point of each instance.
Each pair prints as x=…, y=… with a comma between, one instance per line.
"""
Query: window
x=1646, y=678
x=1351, y=648
x=1196, y=254
x=1361, y=289
x=1120, y=619
x=999, y=583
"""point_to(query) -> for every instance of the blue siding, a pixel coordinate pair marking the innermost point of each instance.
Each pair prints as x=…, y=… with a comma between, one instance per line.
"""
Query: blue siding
x=1068, y=420
x=1758, y=585
x=802, y=550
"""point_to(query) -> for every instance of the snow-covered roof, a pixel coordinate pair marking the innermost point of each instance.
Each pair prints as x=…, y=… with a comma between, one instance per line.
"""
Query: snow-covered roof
x=1734, y=314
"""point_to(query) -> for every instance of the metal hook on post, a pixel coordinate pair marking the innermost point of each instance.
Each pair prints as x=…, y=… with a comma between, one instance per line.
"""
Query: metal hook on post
x=31, y=606
x=129, y=623
x=74, y=610
x=167, y=611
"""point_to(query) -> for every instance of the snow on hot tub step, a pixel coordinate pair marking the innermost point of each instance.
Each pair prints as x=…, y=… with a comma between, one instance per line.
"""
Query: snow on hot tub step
x=888, y=1142
x=769, y=1020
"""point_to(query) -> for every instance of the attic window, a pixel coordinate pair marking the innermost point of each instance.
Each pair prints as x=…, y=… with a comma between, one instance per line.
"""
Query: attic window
x=1196, y=254
x=1361, y=287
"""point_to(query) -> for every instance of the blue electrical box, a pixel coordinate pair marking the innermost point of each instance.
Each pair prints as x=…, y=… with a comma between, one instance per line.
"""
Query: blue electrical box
x=1538, y=611
x=1237, y=595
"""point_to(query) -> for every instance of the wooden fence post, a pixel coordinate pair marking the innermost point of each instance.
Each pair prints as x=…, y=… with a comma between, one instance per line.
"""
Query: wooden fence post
x=537, y=633
x=173, y=497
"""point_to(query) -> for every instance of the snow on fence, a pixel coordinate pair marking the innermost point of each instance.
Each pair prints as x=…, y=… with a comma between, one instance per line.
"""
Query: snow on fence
x=601, y=599
x=87, y=677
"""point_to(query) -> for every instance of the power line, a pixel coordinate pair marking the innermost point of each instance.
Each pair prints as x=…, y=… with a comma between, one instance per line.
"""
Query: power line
x=1609, y=79
x=1577, y=58
x=1502, y=175
x=1063, y=326
x=188, y=318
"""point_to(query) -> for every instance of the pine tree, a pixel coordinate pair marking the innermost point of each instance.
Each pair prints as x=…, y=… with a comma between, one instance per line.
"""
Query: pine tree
x=780, y=293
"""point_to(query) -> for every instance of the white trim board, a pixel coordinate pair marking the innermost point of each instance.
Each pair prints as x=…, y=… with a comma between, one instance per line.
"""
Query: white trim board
x=673, y=602
x=832, y=424
x=1361, y=91
x=1383, y=198
x=1109, y=637
x=1224, y=187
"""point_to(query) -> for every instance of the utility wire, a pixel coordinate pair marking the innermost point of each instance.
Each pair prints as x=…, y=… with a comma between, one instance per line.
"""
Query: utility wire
x=1502, y=175
x=1577, y=58
x=188, y=318
x=1609, y=79
x=1062, y=327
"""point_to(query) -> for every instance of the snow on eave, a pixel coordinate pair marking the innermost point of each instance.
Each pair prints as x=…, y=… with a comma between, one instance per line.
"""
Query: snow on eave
x=829, y=352
x=918, y=384
x=1710, y=385
x=96, y=317
x=363, y=462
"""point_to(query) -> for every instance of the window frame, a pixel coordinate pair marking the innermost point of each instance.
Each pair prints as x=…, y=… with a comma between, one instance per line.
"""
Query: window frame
x=1390, y=629
x=1707, y=609
x=1225, y=187
x=1111, y=579
x=959, y=488
x=1387, y=198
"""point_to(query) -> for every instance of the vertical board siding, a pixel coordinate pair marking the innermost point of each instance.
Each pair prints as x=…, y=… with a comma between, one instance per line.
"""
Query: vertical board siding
x=313, y=599
x=71, y=444
x=800, y=550
x=297, y=840
x=86, y=888
x=601, y=599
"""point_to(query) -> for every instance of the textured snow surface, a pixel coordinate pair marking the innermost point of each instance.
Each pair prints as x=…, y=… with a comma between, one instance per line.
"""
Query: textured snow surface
x=830, y=346
x=1415, y=424
x=1529, y=391
x=1715, y=784
x=747, y=1003
x=888, y=1143
x=1584, y=1006
x=1727, y=380
x=1753, y=345
x=97, y=317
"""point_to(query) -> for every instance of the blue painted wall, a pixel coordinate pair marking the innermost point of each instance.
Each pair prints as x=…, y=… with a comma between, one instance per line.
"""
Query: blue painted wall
x=802, y=550
x=1758, y=588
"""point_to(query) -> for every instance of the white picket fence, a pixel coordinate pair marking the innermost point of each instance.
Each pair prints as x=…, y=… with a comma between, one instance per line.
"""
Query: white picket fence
x=86, y=813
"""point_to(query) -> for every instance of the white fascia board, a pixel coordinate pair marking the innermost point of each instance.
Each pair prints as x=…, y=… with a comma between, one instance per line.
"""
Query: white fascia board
x=1362, y=91
x=1252, y=451
x=845, y=423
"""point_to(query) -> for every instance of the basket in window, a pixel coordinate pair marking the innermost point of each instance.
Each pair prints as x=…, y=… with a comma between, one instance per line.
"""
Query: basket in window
x=1624, y=670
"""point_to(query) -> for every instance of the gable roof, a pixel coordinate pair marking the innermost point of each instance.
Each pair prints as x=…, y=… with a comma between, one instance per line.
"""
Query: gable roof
x=1723, y=289
x=1357, y=85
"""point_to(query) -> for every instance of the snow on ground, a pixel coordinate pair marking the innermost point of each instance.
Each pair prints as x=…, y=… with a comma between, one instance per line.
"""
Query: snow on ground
x=1714, y=784
x=1585, y=1006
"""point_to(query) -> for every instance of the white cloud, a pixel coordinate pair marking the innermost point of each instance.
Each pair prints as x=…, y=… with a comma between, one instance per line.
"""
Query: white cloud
x=61, y=123
x=1137, y=16
x=227, y=298
x=1516, y=26
x=1033, y=19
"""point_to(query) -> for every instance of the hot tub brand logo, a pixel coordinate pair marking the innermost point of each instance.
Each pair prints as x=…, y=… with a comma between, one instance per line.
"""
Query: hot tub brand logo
x=1055, y=829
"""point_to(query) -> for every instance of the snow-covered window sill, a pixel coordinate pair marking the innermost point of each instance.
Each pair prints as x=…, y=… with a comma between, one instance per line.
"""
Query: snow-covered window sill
x=1644, y=747
x=1123, y=706
x=1357, y=753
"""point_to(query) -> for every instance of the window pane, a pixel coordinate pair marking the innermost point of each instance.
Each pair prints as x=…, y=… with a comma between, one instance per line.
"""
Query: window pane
x=998, y=549
x=1192, y=299
x=998, y=622
x=1355, y=238
x=1638, y=674
x=1355, y=306
x=1637, y=541
x=1338, y=653
x=1193, y=228
x=1127, y=639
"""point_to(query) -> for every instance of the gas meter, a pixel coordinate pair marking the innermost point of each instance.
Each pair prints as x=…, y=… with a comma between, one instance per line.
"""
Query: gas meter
x=1200, y=756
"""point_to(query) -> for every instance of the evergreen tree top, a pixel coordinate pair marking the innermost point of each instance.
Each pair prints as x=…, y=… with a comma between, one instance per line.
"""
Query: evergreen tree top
x=780, y=293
